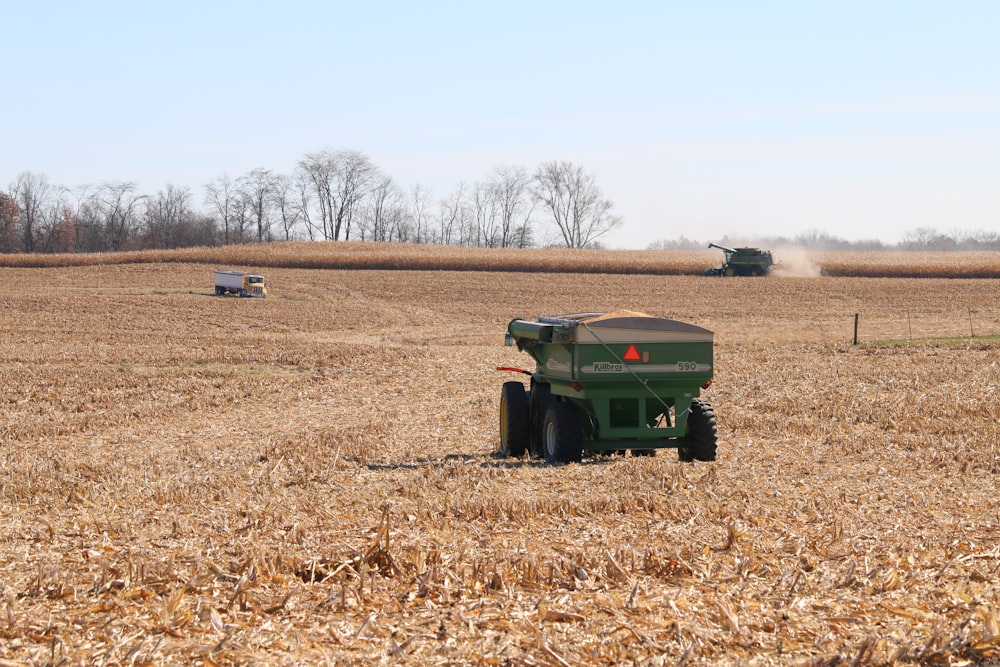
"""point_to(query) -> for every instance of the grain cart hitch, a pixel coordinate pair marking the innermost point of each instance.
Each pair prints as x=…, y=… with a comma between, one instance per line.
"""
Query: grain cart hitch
x=608, y=383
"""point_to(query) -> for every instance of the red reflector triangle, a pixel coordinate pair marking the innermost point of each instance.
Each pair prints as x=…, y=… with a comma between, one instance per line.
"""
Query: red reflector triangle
x=631, y=354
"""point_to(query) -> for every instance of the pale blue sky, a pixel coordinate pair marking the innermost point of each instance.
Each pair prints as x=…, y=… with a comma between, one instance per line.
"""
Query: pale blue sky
x=701, y=119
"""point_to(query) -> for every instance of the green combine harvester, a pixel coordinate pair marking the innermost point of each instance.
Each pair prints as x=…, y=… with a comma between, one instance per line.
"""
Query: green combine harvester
x=608, y=383
x=742, y=262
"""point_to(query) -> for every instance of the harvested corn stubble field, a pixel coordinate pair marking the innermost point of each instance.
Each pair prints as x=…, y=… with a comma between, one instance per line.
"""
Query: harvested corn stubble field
x=311, y=477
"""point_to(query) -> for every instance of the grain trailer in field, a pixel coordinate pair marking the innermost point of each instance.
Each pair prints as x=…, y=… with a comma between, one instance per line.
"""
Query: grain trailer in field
x=239, y=283
x=609, y=383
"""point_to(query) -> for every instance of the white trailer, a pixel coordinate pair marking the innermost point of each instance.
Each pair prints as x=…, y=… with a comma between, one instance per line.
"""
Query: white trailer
x=239, y=283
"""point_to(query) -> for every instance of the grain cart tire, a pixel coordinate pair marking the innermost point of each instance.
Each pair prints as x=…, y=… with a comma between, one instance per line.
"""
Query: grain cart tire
x=702, y=434
x=562, y=434
x=513, y=419
x=541, y=396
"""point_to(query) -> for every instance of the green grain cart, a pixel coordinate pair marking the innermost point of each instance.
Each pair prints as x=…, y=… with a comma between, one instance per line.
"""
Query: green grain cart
x=608, y=383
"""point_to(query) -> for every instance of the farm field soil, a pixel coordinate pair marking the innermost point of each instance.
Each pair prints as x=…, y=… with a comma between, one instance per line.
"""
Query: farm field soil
x=312, y=478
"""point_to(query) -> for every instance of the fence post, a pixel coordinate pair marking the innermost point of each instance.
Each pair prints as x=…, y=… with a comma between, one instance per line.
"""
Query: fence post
x=855, y=328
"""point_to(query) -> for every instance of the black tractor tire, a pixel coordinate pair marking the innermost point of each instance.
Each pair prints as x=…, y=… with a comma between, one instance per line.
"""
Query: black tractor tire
x=541, y=396
x=700, y=443
x=562, y=433
x=513, y=419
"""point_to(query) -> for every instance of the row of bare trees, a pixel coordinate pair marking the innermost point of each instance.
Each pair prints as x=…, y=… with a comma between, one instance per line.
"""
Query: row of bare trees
x=36, y=216
x=331, y=195
x=921, y=239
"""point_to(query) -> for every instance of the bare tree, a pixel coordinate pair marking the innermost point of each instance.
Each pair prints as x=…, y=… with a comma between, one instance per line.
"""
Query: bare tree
x=303, y=193
x=284, y=202
x=486, y=215
x=89, y=225
x=258, y=189
x=383, y=218
x=241, y=213
x=421, y=201
x=340, y=180
x=510, y=188
x=357, y=173
x=927, y=238
x=9, y=214
x=219, y=195
x=32, y=194
x=119, y=205
x=60, y=232
x=978, y=240
x=318, y=169
x=574, y=202
x=170, y=220
x=453, y=212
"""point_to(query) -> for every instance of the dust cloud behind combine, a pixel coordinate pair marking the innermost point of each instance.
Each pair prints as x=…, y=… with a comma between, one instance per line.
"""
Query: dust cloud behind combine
x=791, y=262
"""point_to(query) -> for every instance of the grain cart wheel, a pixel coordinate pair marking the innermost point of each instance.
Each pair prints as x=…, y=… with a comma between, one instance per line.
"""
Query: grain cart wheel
x=513, y=419
x=702, y=433
x=541, y=396
x=561, y=434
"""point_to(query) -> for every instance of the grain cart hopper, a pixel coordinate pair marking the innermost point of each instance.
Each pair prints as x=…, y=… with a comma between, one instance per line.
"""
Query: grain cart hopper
x=742, y=262
x=607, y=383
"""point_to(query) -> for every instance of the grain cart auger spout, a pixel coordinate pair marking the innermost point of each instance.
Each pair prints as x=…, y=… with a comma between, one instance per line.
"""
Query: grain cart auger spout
x=607, y=383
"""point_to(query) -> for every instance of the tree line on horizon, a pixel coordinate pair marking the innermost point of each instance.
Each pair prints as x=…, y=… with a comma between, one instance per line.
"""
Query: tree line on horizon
x=332, y=195
x=342, y=195
x=919, y=239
